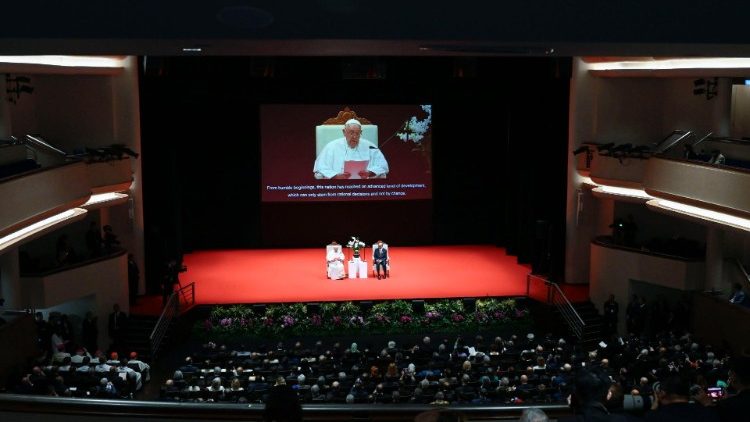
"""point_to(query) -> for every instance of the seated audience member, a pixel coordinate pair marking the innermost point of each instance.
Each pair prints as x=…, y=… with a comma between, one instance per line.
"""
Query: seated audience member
x=533, y=415
x=737, y=407
x=440, y=399
x=441, y=415
x=105, y=389
x=282, y=404
x=589, y=396
x=77, y=359
x=102, y=366
x=189, y=368
x=671, y=402
x=143, y=367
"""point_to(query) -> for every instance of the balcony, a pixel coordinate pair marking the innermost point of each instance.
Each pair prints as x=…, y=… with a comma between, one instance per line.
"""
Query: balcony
x=716, y=187
x=110, y=176
x=57, y=286
x=33, y=196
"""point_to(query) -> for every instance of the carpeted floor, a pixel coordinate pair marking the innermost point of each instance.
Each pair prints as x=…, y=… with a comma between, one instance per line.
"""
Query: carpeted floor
x=299, y=275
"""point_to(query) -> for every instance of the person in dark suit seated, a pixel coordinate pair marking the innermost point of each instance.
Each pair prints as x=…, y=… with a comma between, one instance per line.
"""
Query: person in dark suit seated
x=380, y=256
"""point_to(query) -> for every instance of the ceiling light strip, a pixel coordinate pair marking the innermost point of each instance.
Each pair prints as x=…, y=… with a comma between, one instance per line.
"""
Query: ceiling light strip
x=21, y=234
x=702, y=213
x=669, y=64
x=618, y=191
x=104, y=197
x=66, y=61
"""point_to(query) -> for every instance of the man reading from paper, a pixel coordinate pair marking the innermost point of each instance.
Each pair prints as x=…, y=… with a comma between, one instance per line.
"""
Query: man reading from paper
x=350, y=157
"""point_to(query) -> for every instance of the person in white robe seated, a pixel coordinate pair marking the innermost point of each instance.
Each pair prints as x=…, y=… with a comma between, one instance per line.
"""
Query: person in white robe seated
x=350, y=157
x=335, y=260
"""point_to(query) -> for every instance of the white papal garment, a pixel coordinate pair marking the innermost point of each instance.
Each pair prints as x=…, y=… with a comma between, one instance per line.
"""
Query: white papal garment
x=335, y=265
x=331, y=160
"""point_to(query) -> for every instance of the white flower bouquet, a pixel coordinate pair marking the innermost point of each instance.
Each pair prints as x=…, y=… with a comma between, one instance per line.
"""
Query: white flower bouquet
x=355, y=244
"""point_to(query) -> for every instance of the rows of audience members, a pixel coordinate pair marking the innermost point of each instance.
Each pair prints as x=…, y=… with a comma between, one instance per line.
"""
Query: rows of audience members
x=504, y=371
x=84, y=375
x=65, y=367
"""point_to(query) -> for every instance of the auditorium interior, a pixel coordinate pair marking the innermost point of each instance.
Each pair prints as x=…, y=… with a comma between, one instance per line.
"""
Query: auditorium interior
x=582, y=152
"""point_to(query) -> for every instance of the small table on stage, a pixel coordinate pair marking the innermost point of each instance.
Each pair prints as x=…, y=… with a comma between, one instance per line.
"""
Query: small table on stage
x=357, y=266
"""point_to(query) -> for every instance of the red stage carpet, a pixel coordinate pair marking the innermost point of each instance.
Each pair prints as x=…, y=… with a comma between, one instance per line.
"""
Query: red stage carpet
x=298, y=275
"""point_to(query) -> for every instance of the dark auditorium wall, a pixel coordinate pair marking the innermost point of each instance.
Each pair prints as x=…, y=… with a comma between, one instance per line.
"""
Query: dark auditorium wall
x=499, y=154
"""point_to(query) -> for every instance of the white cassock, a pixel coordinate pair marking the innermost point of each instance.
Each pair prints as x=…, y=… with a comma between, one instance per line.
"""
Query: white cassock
x=335, y=265
x=331, y=160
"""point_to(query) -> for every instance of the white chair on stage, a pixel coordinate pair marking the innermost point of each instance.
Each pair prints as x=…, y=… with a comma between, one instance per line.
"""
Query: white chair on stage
x=387, y=262
x=334, y=270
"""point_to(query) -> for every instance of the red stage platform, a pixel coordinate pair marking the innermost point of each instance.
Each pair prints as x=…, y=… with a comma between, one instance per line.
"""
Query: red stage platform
x=298, y=275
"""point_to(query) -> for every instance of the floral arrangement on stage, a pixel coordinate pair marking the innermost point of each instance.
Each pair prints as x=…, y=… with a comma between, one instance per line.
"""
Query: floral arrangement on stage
x=355, y=244
x=397, y=316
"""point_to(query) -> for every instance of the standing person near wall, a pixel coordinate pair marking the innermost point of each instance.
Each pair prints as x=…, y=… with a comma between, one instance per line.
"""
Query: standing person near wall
x=611, y=312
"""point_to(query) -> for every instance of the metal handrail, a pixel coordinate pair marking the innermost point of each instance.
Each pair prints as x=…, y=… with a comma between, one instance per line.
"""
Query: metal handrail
x=555, y=296
x=182, y=298
x=170, y=311
x=743, y=270
x=187, y=294
x=570, y=314
x=38, y=407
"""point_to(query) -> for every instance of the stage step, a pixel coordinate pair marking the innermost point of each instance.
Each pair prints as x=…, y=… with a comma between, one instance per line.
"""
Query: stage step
x=137, y=335
x=593, y=331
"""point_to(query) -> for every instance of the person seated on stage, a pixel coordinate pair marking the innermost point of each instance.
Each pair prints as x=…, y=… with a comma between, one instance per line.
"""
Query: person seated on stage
x=335, y=261
x=380, y=256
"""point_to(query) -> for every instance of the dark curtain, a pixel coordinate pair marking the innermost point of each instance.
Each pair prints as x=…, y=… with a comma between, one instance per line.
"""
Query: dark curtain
x=499, y=149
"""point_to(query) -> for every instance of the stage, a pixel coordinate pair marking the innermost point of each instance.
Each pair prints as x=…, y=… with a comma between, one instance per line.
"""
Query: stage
x=299, y=275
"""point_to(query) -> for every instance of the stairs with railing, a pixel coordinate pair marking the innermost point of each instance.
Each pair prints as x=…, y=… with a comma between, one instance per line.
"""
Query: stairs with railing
x=582, y=319
x=136, y=335
x=593, y=325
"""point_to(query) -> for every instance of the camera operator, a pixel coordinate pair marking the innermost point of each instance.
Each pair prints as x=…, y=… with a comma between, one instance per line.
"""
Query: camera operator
x=171, y=277
x=671, y=402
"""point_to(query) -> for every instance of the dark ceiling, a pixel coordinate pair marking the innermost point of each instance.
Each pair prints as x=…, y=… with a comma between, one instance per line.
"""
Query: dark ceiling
x=406, y=27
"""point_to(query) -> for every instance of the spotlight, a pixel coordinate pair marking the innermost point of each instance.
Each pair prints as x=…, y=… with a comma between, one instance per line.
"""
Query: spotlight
x=581, y=150
x=14, y=87
x=706, y=86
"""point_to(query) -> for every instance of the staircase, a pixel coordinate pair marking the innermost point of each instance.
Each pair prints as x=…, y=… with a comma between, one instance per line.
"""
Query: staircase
x=137, y=333
x=593, y=330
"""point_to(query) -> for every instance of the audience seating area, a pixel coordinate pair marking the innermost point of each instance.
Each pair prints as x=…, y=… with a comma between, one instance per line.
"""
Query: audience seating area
x=523, y=369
